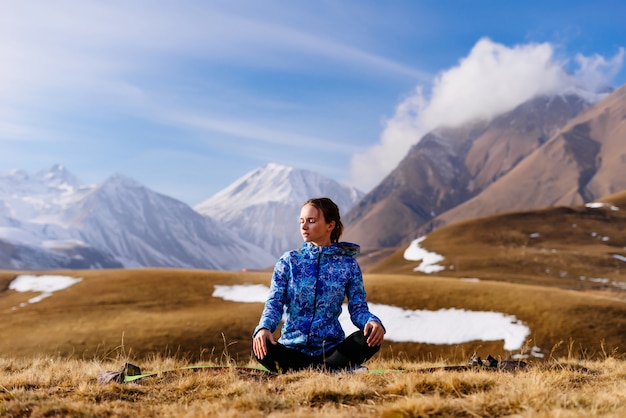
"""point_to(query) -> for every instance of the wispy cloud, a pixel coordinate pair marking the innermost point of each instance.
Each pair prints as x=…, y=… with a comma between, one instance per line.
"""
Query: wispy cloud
x=83, y=48
x=259, y=133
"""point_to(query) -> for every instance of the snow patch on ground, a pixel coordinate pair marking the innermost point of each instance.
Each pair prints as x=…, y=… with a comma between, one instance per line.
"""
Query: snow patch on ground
x=598, y=205
x=445, y=326
x=46, y=284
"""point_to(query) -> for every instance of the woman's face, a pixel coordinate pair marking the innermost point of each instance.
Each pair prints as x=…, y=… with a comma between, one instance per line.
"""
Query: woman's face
x=313, y=226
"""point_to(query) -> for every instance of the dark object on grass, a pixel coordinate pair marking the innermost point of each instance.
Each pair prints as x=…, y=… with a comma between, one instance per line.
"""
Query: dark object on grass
x=120, y=376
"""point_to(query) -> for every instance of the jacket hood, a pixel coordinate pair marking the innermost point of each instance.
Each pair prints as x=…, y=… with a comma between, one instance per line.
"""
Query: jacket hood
x=336, y=248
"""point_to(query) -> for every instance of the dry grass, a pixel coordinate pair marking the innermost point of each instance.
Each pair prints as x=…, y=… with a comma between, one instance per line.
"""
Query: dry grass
x=50, y=387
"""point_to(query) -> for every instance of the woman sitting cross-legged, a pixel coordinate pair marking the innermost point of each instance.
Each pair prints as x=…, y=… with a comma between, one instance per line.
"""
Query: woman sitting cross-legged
x=309, y=286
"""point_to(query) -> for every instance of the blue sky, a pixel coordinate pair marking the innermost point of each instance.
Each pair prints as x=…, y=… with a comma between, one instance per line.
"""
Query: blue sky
x=187, y=96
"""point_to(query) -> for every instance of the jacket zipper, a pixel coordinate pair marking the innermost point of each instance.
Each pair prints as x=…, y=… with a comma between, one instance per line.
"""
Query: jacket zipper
x=319, y=258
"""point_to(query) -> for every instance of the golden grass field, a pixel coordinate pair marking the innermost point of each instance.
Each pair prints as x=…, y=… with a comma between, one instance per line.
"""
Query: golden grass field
x=52, y=351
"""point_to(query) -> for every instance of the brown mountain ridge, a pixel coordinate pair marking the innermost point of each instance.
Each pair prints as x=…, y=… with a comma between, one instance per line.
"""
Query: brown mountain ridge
x=584, y=161
x=548, y=151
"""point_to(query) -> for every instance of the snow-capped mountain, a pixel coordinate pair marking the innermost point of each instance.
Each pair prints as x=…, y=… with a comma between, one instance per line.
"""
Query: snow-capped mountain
x=28, y=202
x=32, y=198
x=31, y=234
x=263, y=206
x=51, y=220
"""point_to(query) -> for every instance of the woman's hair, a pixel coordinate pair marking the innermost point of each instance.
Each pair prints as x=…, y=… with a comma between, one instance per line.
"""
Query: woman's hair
x=331, y=213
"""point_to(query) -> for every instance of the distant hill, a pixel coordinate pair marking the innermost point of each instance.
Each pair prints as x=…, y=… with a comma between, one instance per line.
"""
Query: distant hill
x=579, y=247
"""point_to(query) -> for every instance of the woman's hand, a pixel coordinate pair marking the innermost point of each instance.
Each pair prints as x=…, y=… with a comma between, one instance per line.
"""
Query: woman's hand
x=259, y=342
x=374, y=332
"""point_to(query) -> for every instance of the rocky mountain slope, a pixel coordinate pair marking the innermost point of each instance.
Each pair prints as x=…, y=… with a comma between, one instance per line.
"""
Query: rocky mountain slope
x=585, y=160
x=452, y=166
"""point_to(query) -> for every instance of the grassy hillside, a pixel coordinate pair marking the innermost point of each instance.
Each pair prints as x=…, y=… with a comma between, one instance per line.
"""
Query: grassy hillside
x=572, y=248
x=141, y=313
x=146, y=311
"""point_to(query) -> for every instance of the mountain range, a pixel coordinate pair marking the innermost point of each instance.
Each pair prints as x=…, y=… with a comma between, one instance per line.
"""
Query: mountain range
x=565, y=149
x=51, y=220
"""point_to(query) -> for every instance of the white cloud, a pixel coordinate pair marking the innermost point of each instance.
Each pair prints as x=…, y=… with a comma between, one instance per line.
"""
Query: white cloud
x=253, y=131
x=492, y=79
x=596, y=72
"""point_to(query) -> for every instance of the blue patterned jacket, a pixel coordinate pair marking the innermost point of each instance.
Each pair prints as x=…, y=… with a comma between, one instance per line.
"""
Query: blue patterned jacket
x=309, y=286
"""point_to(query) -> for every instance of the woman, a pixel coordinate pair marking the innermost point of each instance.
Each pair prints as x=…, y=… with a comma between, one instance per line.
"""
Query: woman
x=309, y=286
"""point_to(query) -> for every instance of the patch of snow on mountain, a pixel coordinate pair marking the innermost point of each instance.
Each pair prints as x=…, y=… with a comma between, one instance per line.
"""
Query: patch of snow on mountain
x=18, y=235
x=587, y=95
x=41, y=197
x=429, y=259
x=619, y=257
x=63, y=244
x=277, y=183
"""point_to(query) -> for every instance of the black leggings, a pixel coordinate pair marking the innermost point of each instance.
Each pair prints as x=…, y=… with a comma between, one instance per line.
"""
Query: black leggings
x=350, y=352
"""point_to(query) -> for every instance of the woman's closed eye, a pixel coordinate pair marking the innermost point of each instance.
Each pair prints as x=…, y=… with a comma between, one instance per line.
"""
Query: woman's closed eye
x=307, y=220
